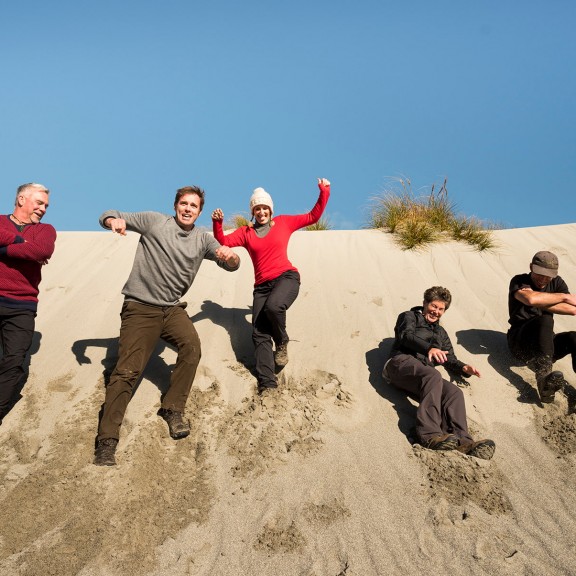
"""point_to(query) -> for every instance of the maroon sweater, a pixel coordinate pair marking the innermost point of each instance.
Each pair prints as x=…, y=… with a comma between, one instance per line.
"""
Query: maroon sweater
x=23, y=251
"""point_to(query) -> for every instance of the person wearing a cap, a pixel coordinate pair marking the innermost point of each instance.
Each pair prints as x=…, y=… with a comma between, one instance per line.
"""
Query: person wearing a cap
x=169, y=254
x=533, y=299
x=277, y=281
x=421, y=345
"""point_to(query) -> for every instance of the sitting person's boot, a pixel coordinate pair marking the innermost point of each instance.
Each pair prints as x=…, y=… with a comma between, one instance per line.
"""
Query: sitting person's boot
x=443, y=442
x=178, y=426
x=483, y=449
x=105, y=453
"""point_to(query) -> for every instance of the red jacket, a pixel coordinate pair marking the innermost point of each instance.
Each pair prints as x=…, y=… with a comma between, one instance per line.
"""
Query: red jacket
x=270, y=253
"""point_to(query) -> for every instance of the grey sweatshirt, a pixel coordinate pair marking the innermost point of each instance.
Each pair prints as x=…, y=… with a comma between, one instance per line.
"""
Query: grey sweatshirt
x=167, y=258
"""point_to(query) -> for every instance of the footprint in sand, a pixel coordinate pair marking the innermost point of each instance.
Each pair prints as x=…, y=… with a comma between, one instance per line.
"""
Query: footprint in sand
x=269, y=429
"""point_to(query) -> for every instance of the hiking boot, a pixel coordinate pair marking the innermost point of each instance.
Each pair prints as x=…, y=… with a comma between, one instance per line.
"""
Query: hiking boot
x=104, y=455
x=262, y=389
x=549, y=385
x=483, y=449
x=178, y=426
x=444, y=442
x=281, y=354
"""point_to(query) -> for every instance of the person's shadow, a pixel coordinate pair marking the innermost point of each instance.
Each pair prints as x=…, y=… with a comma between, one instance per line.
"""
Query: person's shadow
x=375, y=360
x=34, y=348
x=494, y=344
x=236, y=322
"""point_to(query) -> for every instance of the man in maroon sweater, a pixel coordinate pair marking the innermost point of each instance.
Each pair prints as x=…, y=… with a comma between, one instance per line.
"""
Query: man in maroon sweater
x=25, y=245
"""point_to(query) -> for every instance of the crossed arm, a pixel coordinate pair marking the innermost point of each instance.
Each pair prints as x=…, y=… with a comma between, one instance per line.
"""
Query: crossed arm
x=556, y=302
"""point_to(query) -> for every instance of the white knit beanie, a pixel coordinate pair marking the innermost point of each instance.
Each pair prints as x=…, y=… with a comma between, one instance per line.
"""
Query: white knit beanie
x=260, y=196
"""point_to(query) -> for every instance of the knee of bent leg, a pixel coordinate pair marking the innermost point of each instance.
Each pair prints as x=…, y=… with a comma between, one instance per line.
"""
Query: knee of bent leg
x=274, y=308
x=190, y=351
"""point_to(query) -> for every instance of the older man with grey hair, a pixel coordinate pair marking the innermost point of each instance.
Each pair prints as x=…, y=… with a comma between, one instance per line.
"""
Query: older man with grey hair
x=533, y=299
x=25, y=246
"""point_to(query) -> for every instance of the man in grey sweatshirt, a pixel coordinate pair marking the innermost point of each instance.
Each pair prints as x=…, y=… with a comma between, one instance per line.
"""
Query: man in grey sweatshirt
x=167, y=260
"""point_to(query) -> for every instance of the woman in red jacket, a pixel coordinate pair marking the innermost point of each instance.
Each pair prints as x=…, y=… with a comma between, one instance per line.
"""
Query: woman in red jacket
x=277, y=281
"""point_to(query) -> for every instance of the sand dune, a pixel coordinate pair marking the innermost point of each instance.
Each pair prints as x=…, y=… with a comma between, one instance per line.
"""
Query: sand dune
x=317, y=479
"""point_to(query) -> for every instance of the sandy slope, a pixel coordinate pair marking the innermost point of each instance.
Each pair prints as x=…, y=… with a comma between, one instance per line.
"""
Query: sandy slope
x=318, y=479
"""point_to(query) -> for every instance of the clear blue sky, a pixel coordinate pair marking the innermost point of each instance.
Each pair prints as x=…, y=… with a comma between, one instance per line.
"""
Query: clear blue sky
x=116, y=104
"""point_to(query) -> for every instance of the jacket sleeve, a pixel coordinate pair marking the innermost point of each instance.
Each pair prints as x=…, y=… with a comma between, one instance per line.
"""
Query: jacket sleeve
x=301, y=220
x=406, y=337
x=236, y=238
x=39, y=248
x=7, y=237
x=452, y=363
x=211, y=246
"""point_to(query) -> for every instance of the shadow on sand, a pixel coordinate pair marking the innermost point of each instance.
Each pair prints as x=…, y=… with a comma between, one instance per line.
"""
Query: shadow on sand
x=406, y=410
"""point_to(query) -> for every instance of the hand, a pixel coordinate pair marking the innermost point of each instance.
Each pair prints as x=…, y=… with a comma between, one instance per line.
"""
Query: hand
x=324, y=184
x=437, y=355
x=470, y=370
x=218, y=215
x=227, y=255
x=117, y=225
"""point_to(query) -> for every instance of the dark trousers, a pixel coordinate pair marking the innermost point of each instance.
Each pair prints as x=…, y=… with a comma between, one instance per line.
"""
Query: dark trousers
x=271, y=300
x=16, y=333
x=534, y=343
x=441, y=409
x=142, y=326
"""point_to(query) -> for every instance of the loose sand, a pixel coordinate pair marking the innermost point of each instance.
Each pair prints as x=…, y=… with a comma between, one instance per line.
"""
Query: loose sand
x=318, y=478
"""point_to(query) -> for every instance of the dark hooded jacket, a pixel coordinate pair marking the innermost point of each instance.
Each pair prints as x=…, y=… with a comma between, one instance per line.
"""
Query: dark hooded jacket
x=416, y=336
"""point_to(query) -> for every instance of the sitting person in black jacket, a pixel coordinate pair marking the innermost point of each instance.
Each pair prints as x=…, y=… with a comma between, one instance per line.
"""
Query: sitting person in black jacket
x=420, y=345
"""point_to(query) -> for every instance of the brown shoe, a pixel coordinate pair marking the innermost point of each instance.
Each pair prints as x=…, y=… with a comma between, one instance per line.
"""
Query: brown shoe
x=483, y=449
x=178, y=427
x=104, y=455
x=444, y=442
x=281, y=354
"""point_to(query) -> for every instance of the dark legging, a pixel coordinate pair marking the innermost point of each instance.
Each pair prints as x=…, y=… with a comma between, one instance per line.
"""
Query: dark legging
x=271, y=300
x=535, y=339
x=442, y=409
x=16, y=333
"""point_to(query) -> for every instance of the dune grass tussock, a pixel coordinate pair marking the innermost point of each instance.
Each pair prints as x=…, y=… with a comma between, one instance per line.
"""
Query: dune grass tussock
x=322, y=224
x=418, y=221
x=236, y=221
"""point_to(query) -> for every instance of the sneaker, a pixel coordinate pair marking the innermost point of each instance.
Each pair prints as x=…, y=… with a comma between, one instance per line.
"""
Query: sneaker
x=281, y=354
x=483, y=449
x=104, y=455
x=549, y=385
x=444, y=442
x=178, y=426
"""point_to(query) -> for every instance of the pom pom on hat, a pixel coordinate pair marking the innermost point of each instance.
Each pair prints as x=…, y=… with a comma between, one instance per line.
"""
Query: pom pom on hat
x=260, y=196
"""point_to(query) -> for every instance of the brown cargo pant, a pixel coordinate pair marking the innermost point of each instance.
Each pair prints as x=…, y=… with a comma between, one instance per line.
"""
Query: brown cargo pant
x=442, y=409
x=142, y=326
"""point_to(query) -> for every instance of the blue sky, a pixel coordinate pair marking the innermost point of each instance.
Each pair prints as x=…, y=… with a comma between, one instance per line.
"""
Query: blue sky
x=118, y=104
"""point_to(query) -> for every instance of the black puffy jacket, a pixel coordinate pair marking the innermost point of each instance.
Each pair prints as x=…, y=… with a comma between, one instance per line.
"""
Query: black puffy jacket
x=416, y=337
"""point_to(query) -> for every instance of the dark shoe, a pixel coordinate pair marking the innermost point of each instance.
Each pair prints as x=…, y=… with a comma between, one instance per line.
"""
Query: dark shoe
x=444, y=442
x=263, y=389
x=281, y=354
x=104, y=455
x=179, y=428
x=549, y=385
x=483, y=449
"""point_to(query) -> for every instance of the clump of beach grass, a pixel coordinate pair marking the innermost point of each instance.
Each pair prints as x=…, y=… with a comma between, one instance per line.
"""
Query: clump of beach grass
x=236, y=221
x=418, y=221
x=322, y=224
